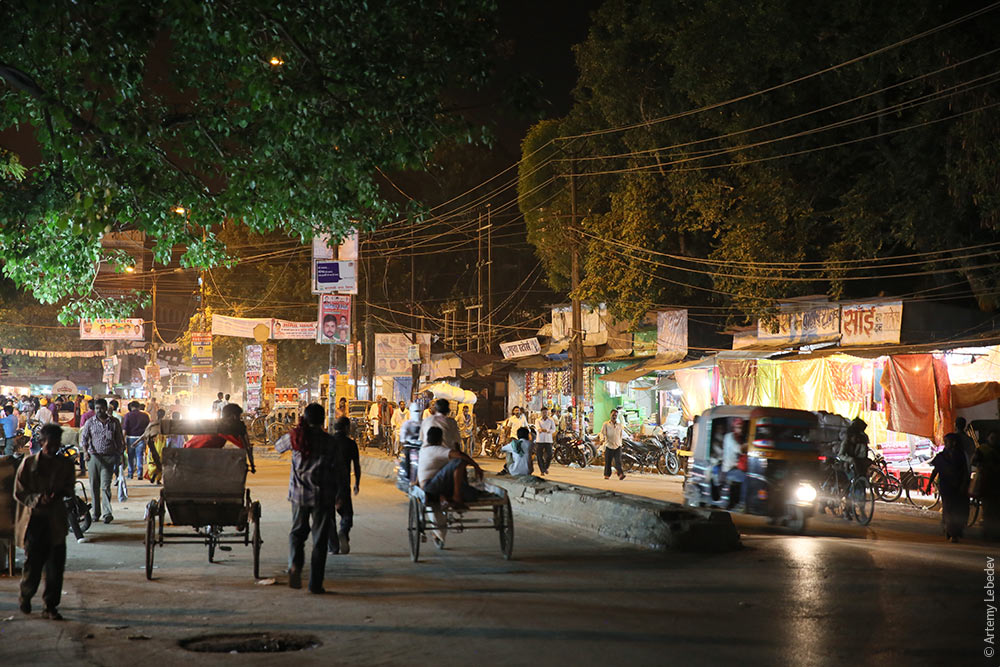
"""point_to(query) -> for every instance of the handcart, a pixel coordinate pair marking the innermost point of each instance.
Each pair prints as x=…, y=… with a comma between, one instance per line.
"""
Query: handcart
x=206, y=490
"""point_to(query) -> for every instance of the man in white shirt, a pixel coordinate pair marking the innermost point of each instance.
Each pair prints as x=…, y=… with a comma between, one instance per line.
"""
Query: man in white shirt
x=451, y=437
x=44, y=414
x=519, y=452
x=514, y=422
x=441, y=472
x=732, y=448
x=545, y=430
x=611, y=434
x=399, y=416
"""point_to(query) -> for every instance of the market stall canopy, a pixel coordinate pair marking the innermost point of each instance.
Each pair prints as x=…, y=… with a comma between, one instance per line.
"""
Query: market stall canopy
x=644, y=367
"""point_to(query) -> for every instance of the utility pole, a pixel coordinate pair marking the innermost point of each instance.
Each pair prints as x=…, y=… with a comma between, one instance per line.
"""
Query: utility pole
x=369, y=350
x=489, y=278
x=414, y=340
x=576, y=339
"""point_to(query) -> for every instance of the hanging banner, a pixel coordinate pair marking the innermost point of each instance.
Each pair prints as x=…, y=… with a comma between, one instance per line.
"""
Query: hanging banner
x=392, y=353
x=334, y=276
x=520, y=348
x=286, y=396
x=112, y=329
x=672, y=333
x=819, y=325
x=201, y=352
x=334, y=319
x=287, y=330
x=871, y=323
x=242, y=327
x=109, y=370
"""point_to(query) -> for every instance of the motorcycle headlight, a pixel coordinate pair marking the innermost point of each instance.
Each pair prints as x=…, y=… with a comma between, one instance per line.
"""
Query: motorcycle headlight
x=805, y=493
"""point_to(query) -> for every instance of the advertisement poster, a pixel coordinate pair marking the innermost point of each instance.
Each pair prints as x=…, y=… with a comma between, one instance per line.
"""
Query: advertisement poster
x=286, y=396
x=288, y=330
x=392, y=353
x=334, y=319
x=270, y=358
x=818, y=325
x=253, y=359
x=201, y=352
x=334, y=276
x=323, y=248
x=110, y=329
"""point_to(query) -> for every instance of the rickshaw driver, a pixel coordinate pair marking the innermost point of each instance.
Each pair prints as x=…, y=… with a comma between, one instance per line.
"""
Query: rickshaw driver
x=238, y=434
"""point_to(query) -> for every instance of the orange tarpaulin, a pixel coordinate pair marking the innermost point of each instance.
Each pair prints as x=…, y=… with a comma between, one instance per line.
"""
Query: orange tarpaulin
x=739, y=381
x=973, y=393
x=806, y=385
x=910, y=392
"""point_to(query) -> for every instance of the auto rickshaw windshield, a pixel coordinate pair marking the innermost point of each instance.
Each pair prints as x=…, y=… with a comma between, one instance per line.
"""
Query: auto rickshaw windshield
x=786, y=434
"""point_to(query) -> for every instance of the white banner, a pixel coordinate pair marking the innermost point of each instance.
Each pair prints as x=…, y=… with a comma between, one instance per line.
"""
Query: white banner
x=871, y=323
x=821, y=324
x=112, y=329
x=672, y=332
x=287, y=330
x=242, y=327
x=520, y=348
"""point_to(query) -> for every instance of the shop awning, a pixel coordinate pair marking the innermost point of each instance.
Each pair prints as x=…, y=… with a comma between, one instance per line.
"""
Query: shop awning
x=644, y=367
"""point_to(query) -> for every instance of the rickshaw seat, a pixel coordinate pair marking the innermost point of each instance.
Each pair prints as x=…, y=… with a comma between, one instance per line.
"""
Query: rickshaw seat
x=218, y=474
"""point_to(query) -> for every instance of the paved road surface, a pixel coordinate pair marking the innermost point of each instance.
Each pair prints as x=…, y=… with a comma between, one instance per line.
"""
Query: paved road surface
x=891, y=594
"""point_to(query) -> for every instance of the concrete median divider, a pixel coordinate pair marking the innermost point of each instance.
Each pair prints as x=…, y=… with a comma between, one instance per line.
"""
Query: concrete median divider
x=654, y=524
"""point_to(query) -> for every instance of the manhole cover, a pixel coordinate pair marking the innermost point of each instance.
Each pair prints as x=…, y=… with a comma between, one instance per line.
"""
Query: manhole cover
x=250, y=642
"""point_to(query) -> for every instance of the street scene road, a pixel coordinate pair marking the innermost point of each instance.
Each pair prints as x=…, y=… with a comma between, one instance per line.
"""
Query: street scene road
x=894, y=593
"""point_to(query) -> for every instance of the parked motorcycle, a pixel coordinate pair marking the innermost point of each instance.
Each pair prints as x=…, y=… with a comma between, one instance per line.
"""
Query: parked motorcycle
x=570, y=448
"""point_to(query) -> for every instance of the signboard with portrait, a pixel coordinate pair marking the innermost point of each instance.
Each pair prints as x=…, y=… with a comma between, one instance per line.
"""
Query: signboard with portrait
x=288, y=330
x=334, y=319
x=112, y=329
x=201, y=352
x=392, y=353
x=871, y=323
x=284, y=396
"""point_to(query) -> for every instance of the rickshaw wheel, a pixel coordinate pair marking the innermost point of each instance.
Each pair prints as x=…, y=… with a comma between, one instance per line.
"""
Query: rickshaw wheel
x=160, y=516
x=414, y=527
x=151, y=514
x=862, y=500
x=255, y=537
x=504, y=518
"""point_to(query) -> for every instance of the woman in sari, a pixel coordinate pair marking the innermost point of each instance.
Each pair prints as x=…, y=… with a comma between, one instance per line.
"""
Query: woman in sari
x=952, y=472
x=155, y=443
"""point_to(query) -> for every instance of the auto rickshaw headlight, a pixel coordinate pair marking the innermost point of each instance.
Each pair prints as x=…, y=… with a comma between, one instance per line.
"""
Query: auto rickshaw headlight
x=805, y=493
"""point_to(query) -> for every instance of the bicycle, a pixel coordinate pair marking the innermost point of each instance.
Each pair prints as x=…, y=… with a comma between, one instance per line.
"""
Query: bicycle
x=886, y=485
x=913, y=481
x=847, y=495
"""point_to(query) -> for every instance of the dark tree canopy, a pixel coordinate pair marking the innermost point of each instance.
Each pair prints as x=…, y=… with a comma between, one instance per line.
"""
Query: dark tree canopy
x=175, y=116
x=766, y=197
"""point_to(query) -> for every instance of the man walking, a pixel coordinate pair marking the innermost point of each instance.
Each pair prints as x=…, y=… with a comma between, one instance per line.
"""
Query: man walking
x=9, y=426
x=312, y=490
x=217, y=406
x=611, y=434
x=103, y=442
x=347, y=457
x=545, y=428
x=42, y=481
x=134, y=424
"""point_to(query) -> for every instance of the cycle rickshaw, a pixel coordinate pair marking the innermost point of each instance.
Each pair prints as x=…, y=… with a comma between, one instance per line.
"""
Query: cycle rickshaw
x=206, y=490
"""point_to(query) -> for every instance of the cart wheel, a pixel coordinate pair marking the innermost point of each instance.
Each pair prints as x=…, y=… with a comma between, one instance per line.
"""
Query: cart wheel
x=255, y=538
x=415, y=527
x=151, y=513
x=160, y=516
x=505, y=526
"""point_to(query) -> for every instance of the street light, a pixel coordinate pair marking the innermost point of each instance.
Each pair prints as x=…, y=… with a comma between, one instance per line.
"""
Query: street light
x=180, y=210
x=129, y=269
x=276, y=61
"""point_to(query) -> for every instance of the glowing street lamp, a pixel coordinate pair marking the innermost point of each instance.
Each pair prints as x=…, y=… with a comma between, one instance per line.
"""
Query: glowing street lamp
x=276, y=61
x=179, y=210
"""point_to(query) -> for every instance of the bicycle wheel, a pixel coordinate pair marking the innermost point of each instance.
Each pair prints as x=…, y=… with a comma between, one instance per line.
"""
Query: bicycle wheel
x=937, y=498
x=275, y=431
x=862, y=500
x=893, y=488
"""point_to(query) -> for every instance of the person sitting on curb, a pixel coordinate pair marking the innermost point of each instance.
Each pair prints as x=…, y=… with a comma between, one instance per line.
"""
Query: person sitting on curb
x=519, y=453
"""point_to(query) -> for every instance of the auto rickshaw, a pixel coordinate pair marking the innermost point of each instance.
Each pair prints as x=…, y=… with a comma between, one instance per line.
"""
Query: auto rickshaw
x=777, y=473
